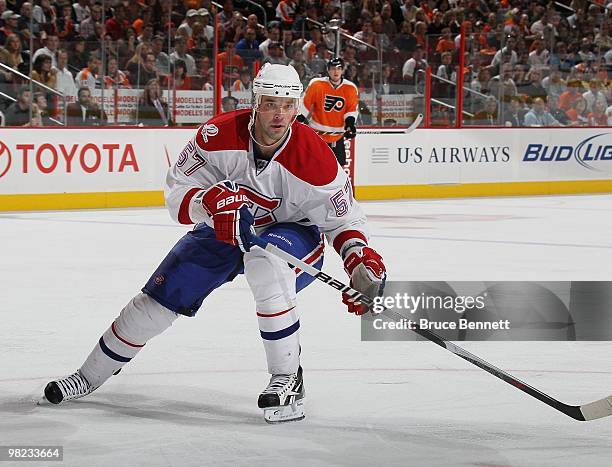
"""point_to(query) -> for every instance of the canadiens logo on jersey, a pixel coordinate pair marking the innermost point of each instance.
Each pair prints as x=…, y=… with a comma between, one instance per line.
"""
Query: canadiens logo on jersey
x=208, y=130
x=263, y=205
x=333, y=103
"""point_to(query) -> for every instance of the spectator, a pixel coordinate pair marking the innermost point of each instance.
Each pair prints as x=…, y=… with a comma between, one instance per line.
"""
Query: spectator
x=446, y=42
x=190, y=17
x=12, y=56
x=405, y=41
x=515, y=115
x=77, y=56
x=84, y=112
x=50, y=49
x=10, y=25
x=555, y=111
x=388, y=25
x=578, y=114
x=553, y=84
x=146, y=35
x=115, y=78
x=205, y=67
x=253, y=22
x=204, y=18
x=40, y=100
x=381, y=39
x=226, y=14
x=162, y=60
x=86, y=27
x=233, y=30
x=413, y=65
x=534, y=88
x=561, y=58
x=509, y=47
x=409, y=11
x=152, y=109
x=365, y=35
x=66, y=28
x=42, y=71
x=244, y=83
x=88, y=76
x=598, y=117
x=64, y=80
x=46, y=15
x=273, y=35
x=286, y=12
x=18, y=113
x=179, y=79
x=116, y=25
x=585, y=53
x=229, y=103
x=487, y=116
x=318, y=63
x=231, y=63
x=570, y=95
x=539, y=116
x=248, y=47
x=594, y=94
x=27, y=25
x=180, y=53
x=502, y=86
x=539, y=57
x=81, y=10
x=277, y=55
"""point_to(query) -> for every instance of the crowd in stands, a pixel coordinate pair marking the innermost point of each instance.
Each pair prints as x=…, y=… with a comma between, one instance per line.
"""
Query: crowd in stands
x=526, y=62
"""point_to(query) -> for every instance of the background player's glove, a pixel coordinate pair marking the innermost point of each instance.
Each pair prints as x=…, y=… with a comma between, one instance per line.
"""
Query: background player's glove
x=228, y=206
x=367, y=272
x=302, y=119
x=349, y=127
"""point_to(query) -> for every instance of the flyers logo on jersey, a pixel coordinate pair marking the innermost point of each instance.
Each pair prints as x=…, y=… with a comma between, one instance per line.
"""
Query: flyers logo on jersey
x=208, y=130
x=333, y=103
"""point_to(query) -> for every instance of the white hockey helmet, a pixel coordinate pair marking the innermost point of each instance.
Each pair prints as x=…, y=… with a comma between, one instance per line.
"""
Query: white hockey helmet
x=277, y=81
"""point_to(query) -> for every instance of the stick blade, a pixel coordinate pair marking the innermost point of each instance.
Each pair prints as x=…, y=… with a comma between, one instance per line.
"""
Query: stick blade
x=598, y=409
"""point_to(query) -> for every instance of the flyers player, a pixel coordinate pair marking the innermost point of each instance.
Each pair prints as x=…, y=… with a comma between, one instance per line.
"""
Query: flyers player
x=253, y=171
x=331, y=106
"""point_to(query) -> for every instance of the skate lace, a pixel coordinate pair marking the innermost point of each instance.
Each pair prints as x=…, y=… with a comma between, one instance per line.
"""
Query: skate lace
x=280, y=384
x=74, y=386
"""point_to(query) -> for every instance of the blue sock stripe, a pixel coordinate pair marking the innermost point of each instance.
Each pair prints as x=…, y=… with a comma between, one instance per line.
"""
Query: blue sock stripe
x=112, y=354
x=276, y=335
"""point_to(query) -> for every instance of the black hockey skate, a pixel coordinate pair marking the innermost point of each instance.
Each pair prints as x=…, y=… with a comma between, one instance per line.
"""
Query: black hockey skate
x=283, y=399
x=71, y=387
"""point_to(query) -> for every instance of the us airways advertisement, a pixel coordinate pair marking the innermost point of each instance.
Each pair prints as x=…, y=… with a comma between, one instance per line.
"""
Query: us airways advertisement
x=484, y=156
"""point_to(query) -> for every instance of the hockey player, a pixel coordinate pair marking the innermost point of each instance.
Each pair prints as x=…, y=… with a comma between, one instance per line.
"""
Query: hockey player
x=331, y=108
x=244, y=173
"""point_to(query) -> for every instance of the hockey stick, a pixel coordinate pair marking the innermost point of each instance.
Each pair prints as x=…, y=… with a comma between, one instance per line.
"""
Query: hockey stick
x=591, y=411
x=382, y=131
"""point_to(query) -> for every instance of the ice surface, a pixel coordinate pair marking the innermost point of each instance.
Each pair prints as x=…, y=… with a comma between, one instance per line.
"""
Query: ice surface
x=189, y=398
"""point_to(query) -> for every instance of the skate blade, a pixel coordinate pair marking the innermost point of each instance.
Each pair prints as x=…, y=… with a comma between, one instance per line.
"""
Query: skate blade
x=285, y=413
x=42, y=401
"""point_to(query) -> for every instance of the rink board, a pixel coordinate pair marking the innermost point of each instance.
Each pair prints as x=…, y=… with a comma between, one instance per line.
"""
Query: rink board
x=42, y=169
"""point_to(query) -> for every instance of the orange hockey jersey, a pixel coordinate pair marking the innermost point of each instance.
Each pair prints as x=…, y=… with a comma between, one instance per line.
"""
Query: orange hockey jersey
x=326, y=107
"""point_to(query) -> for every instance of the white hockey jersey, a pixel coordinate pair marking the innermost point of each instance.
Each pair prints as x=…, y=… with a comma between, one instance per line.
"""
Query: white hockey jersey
x=301, y=183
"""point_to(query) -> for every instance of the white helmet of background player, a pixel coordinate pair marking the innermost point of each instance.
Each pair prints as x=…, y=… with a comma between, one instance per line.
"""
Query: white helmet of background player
x=275, y=81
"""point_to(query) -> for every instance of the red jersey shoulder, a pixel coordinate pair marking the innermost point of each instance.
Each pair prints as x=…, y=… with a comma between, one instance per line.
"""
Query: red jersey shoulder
x=308, y=157
x=225, y=132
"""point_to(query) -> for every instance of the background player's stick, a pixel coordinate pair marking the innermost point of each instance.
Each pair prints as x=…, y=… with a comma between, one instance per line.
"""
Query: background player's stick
x=591, y=411
x=382, y=131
